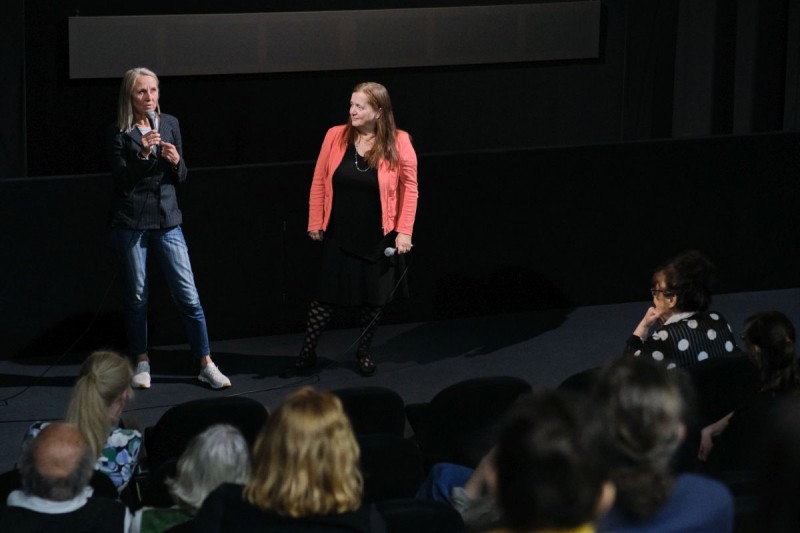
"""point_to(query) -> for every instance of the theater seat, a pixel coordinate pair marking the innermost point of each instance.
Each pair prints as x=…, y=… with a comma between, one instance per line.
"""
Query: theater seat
x=420, y=516
x=373, y=410
x=458, y=424
x=391, y=465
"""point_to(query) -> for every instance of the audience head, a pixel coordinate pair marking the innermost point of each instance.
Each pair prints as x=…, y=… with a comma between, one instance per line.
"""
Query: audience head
x=99, y=396
x=548, y=476
x=779, y=472
x=642, y=410
x=684, y=283
x=58, y=463
x=770, y=340
x=306, y=458
x=217, y=455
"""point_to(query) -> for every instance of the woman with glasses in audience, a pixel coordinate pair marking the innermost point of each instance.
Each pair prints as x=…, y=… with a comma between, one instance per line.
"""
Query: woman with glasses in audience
x=679, y=330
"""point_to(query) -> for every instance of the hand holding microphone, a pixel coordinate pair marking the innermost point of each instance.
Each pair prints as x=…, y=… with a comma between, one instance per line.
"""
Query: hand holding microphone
x=402, y=245
x=152, y=139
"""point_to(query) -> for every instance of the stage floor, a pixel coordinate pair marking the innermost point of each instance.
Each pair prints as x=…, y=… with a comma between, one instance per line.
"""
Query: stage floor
x=416, y=360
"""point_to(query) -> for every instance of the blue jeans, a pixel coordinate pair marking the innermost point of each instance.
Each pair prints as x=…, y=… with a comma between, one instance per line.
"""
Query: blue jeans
x=441, y=481
x=169, y=247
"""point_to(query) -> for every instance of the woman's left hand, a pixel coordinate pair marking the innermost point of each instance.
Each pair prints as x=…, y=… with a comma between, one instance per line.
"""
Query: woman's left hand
x=403, y=243
x=170, y=153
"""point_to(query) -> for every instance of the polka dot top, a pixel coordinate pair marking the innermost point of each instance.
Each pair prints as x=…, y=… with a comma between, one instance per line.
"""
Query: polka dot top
x=687, y=341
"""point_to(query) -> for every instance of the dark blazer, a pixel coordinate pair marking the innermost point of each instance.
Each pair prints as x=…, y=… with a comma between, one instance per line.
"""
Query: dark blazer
x=144, y=190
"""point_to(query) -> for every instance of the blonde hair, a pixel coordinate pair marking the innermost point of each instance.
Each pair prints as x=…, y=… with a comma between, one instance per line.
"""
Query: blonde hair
x=305, y=460
x=124, y=106
x=104, y=376
x=385, y=146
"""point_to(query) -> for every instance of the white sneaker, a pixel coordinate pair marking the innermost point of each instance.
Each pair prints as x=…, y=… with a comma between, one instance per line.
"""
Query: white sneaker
x=211, y=375
x=141, y=376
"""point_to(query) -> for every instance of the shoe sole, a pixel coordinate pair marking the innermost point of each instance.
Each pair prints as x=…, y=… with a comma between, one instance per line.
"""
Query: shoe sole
x=208, y=382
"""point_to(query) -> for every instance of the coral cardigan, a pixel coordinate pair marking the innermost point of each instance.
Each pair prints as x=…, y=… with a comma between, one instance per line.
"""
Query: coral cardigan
x=397, y=186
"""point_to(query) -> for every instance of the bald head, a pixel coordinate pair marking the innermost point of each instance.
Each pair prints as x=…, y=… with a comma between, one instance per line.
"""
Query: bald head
x=58, y=463
x=58, y=449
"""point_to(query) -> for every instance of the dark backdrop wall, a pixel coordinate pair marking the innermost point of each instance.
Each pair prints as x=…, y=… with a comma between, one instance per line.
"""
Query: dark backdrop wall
x=544, y=185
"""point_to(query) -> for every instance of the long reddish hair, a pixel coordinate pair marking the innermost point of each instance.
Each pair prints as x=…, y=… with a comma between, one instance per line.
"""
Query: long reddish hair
x=385, y=146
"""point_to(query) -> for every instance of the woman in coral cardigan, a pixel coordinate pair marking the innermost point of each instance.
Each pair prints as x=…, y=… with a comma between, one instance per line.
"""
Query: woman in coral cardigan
x=362, y=204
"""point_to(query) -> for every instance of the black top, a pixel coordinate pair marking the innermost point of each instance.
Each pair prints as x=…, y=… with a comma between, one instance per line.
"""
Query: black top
x=144, y=189
x=356, y=213
x=98, y=515
x=225, y=510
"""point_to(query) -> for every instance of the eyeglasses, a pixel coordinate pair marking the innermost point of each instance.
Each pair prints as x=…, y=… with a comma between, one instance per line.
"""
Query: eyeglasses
x=665, y=292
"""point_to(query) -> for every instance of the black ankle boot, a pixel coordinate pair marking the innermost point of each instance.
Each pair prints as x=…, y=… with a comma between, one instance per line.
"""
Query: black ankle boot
x=302, y=365
x=366, y=366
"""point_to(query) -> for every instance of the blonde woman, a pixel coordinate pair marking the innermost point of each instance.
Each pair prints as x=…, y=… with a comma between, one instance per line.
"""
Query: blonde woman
x=145, y=153
x=305, y=475
x=98, y=399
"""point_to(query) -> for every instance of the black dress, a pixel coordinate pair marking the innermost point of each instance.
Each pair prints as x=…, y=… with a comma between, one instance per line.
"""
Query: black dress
x=355, y=271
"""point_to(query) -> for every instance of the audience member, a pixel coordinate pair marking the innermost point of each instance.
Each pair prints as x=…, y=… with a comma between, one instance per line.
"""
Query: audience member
x=55, y=496
x=684, y=331
x=98, y=399
x=305, y=475
x=641, y=407
x=547, y=474
x=474, y=493
x=217, y=455
x=779, y=471
x=470, y=492
x=732, y=442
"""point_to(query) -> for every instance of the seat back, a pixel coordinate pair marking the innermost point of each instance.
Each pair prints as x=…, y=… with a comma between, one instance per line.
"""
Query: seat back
x=392, y=467
x=459, y=423
x=373, y=410
x=176, y=427
x=420, y=516
x=721, y=384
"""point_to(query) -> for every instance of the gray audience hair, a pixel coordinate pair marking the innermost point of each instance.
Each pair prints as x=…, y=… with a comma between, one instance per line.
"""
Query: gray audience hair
x=218, y=455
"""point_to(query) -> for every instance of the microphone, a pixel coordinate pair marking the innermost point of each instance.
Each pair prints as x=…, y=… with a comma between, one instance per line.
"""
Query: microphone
x=389, y=252
x=151, y=118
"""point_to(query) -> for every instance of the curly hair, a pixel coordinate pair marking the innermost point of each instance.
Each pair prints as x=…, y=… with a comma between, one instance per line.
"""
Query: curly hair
x=688, y=277
x=306, y=458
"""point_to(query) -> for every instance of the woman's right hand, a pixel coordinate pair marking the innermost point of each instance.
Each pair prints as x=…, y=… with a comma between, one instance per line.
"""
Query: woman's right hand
x=316, y=235
x=650, y=317
x=149, y=140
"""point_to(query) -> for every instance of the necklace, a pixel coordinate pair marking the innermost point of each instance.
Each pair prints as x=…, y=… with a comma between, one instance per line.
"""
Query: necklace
x=355, y=154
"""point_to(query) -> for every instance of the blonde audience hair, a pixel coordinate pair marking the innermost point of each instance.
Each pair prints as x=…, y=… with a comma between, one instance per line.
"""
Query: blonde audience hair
x=217, y=455
x=125, y=119
x=305, y=460
x=103, y=378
